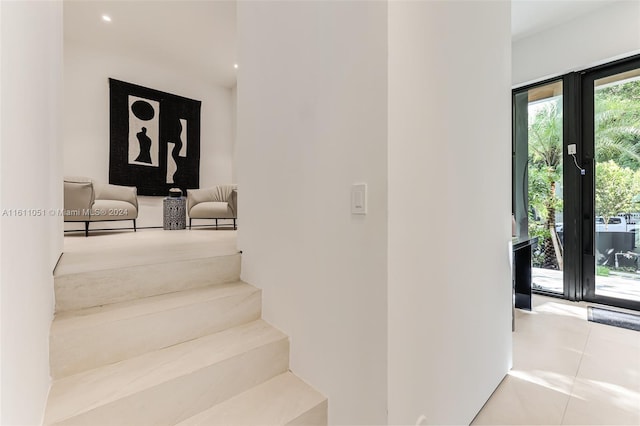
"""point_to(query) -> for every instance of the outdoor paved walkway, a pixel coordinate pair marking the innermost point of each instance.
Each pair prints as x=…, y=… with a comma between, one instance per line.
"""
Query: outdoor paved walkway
x=611, y=286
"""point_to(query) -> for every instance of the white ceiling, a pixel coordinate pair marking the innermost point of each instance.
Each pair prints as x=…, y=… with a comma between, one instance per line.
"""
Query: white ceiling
x=201, y=35
x=531, y=16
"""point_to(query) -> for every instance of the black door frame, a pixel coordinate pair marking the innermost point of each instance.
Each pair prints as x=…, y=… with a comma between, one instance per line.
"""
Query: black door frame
x=572, y=272
x=572, y=195
x=579, y=186
x=587, y=157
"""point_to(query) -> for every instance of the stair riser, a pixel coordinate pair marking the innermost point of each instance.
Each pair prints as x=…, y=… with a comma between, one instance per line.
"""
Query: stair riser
x=318, y=415
x=183, y=397
x=87, y=289
x=77, y=350
x=283, y=400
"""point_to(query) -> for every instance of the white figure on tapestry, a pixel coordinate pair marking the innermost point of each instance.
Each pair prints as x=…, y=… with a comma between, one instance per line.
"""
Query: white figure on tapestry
x=176, y=150
x=172, y=167
x=143, y=132
x=183, y=137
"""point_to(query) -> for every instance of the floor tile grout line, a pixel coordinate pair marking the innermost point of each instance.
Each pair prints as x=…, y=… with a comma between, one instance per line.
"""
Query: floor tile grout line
x=584, y=407
x=575, y=377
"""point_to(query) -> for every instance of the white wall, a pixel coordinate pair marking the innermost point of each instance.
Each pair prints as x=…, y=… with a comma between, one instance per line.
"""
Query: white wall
x=30, y=177
x=86, y=118
x=234, y=125
x=311, y=122
x=449, y=208
x=608, y=33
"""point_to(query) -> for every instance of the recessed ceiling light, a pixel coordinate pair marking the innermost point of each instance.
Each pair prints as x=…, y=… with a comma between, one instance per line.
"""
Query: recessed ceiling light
x=106, y=18
x=235, y=66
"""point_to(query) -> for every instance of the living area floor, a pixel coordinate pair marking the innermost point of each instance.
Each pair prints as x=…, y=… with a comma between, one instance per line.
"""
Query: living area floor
x=118, y=249
x=566, y=370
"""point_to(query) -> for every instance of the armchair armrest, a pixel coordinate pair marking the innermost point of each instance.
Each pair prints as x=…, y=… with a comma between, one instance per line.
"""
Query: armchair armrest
x=79, y=197
x=106, y=191
x=233, y=202
x=197, y=196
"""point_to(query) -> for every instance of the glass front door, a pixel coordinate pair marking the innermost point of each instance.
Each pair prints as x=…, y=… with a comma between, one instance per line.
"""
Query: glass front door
x=538, y=186
x=612, y=131
x=576, y=182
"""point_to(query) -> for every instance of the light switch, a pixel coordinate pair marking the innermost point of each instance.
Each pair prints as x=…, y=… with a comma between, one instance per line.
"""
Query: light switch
x=359, y=198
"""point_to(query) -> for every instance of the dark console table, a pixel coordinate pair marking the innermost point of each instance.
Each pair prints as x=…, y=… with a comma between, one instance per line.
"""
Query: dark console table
x=522, y=271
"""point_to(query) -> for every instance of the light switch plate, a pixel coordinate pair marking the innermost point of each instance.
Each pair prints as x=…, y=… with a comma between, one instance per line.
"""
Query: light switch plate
x=359, y=198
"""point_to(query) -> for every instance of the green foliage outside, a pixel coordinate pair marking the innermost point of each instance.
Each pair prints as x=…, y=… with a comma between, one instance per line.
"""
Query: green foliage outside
x=602, y=271
x=617, y=129
x=617, y=132
x=545, y=172
x=616, y=187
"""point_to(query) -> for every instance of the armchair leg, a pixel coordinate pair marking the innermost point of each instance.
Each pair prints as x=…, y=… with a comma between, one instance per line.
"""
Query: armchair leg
x=234, y=224
x=86, y=229
x=135, y=229
x=190, y=223
x=216, y=223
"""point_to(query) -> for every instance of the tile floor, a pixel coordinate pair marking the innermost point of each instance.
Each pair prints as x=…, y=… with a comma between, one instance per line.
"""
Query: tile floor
x=567, y=370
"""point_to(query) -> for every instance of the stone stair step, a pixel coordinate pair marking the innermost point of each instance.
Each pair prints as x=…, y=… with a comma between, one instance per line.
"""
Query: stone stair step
x=88, y=338
x=80, y=290
x=172, y=384
x=282, y=400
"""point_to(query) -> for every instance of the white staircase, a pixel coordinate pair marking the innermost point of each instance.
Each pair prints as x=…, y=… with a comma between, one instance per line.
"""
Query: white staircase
x=171, y=343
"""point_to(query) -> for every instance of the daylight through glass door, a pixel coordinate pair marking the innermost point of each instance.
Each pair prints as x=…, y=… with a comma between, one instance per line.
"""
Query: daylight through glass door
x=538, y=180
x=617, y=185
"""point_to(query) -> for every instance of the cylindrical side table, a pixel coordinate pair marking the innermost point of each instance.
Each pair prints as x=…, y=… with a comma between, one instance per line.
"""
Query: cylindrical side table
x=174, y=213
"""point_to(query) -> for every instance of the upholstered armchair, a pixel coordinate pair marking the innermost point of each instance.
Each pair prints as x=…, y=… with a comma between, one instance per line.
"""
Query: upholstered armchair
x=87, y=201
x=219, y=202
x=78, y=200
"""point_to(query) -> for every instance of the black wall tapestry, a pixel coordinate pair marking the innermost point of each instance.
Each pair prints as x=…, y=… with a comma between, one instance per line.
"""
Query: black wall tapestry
x=154, y=139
